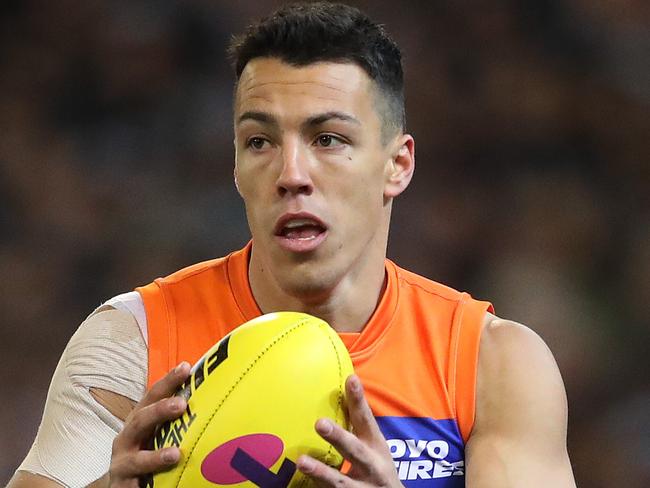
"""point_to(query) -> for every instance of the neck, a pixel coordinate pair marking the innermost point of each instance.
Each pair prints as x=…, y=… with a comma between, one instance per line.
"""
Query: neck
x=346, y=305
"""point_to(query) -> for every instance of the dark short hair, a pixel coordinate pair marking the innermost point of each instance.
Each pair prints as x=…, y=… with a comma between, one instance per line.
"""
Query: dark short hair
x=304, y=33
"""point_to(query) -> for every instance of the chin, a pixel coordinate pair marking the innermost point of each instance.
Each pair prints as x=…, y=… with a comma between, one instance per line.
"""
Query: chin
x=308, y=282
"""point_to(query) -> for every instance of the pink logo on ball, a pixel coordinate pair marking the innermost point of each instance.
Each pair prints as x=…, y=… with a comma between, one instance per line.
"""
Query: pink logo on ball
x=266, y=449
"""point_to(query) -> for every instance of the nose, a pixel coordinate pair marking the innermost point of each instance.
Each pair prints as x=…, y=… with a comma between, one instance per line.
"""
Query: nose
x=294, y=178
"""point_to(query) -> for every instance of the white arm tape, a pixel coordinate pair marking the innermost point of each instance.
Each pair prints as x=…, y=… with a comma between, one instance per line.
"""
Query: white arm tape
x=131, y=302
x=74, y=441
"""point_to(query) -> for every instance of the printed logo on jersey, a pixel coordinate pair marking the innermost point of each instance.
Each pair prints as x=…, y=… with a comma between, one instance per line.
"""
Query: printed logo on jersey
x=426, y=452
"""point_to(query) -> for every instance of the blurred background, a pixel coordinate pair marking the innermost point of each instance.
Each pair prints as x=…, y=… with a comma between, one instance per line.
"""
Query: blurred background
x=532, y=128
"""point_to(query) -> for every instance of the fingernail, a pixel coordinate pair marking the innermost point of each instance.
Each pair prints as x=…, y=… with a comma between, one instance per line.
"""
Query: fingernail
x=324, y=426
x=181, y=367
x=305, y=464
x=355, y=386
x=170, y=455
x=177, y=403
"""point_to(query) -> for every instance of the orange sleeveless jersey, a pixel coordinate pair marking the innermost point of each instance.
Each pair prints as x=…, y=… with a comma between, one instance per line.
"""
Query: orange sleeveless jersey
x=417, y=356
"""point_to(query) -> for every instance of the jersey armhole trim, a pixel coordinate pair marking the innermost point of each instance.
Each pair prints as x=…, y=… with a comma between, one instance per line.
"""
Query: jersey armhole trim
x=466, y=336
x=159, y=327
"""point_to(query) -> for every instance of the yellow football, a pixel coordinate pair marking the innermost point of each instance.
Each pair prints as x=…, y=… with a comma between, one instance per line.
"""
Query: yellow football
x=253, y=399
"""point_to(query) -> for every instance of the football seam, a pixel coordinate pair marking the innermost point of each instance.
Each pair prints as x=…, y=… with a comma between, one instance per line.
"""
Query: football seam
x=339, y=402
x=329, y=455
x=241, y=377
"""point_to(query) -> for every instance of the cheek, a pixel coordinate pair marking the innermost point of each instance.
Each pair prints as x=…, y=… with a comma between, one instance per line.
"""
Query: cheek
x=251, y=185
x=360, y=202
x=253, y=202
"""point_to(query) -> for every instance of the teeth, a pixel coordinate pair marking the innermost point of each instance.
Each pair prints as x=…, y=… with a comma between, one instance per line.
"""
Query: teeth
x=292, y=224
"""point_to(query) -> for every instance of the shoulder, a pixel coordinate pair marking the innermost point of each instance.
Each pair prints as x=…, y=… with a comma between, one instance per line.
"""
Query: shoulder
x=193, y=270
x=512, y=356
x=108, y=351
x=521, y=405
x=521, y=408
x=236, y=260
x=422, y=284
x=518, y=373
x=504, y=339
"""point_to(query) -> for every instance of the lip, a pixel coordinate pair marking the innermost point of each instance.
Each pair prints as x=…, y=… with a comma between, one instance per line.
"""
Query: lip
x=299, y=245
x=285, y=218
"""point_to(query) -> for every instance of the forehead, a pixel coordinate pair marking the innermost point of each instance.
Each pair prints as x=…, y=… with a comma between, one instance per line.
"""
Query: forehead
x=269, y=84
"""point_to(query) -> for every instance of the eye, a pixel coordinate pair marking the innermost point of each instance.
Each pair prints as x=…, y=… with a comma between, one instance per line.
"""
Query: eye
x=328, y=140
x=256, y=143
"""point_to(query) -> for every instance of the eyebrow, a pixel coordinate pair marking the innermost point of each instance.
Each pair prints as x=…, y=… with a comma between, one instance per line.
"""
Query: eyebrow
x=322, y=118
x=263, y=117
x=312, y=121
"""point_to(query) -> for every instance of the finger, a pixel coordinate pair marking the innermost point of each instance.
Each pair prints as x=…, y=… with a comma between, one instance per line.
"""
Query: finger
x=323, y=474
x=347, y=444
x=144, y=462
x=142, y=424
x=361, y=417
x=167, y=385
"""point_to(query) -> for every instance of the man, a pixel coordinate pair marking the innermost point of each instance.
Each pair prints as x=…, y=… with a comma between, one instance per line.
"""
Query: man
x=453, y=396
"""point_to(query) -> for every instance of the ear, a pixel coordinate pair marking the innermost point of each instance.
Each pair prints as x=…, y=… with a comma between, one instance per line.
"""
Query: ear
x=400, y=167
x=234, y=171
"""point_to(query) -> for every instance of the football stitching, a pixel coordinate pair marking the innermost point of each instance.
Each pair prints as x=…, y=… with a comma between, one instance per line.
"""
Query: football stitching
x=329, y=456
x=241, y=377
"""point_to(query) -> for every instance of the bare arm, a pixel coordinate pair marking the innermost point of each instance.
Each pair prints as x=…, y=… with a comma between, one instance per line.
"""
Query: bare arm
x=519, y=435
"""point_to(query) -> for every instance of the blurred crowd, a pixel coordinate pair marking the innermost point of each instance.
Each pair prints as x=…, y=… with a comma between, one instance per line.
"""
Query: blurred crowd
x=532, y=187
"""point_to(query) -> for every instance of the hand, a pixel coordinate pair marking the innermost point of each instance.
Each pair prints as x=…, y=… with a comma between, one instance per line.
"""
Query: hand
x=131, y=458
x=365, y=449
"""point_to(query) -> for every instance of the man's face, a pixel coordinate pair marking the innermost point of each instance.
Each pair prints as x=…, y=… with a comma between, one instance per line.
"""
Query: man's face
x=312, y=169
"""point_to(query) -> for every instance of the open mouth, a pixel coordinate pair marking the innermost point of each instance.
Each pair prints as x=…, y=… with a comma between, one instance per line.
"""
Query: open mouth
x=302, y=229
x=300, y=232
